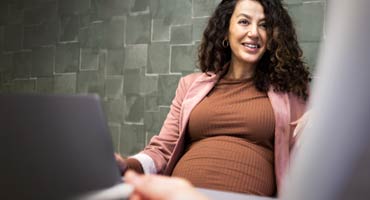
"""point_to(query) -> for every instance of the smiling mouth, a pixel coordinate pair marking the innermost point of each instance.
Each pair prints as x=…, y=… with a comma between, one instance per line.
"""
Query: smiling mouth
x=252, y=46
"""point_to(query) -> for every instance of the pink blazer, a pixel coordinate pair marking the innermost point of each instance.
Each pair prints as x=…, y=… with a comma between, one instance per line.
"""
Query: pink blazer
x=164, y=150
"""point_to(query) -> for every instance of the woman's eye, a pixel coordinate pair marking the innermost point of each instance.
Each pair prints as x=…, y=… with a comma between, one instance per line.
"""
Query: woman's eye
x=243, y=21
x=264, y=25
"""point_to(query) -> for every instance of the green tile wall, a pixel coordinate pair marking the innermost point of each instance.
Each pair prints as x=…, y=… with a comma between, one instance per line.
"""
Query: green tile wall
x=22, y=64
x=181, y=34
x=130, y=52
x=43, y=61
x=67, y=57
x=1, y=38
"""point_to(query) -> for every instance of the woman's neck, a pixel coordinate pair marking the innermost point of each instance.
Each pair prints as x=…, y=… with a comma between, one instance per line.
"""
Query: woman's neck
x=239, y=70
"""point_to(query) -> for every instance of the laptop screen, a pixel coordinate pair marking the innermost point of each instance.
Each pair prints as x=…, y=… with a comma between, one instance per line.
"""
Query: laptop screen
x=54, y=147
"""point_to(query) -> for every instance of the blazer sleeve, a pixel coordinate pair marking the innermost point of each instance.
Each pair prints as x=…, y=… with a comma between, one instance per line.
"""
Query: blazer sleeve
x=156, y=154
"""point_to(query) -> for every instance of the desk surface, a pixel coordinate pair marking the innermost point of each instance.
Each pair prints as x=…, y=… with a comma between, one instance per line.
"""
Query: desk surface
x=122, y=191
x=221, y=195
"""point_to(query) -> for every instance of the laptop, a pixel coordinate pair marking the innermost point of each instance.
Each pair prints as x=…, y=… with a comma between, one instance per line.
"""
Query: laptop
x=54, y=147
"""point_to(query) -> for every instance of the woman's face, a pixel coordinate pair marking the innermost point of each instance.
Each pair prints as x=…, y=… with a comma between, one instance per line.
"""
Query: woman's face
x=247, y=32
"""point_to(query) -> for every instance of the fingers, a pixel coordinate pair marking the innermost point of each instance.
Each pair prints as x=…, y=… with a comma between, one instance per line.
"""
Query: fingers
x=121, y=163
x=145, y=187
x=118, y=156
x=135, y=196
x=161, y=187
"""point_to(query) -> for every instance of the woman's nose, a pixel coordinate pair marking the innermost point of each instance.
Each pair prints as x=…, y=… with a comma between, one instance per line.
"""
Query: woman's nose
x=253, y=31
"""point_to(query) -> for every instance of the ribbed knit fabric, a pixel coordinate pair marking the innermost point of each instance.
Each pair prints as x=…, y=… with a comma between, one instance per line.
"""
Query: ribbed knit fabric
x=230, y=141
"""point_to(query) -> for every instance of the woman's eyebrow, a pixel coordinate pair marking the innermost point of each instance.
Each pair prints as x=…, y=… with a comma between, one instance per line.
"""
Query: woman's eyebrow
x=249, y=17
x=244, y=15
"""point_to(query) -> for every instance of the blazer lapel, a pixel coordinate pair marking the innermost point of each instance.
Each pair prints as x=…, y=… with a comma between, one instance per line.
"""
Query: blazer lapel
x=280, y=105
x=197, y=91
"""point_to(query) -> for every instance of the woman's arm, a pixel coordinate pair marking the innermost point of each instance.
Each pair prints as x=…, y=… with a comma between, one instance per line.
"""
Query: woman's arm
x=155, y=156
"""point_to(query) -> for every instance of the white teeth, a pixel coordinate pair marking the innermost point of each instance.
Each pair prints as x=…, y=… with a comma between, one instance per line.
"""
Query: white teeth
x=254, y=46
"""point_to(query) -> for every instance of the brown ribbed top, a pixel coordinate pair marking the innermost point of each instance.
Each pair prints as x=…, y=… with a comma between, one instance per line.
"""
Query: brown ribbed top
x=230, y=140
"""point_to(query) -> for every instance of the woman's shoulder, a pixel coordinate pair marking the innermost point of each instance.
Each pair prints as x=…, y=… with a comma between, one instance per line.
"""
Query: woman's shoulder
x=197, y=79
x=200, y=76
x=193, y=76
x=187, y=80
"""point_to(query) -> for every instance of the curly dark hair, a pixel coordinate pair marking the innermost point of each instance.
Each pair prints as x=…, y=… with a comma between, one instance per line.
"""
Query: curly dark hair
x=281, y=66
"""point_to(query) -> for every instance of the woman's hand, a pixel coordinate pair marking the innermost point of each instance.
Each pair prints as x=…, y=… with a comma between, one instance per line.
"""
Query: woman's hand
x=121, y=162
x=156, y=187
